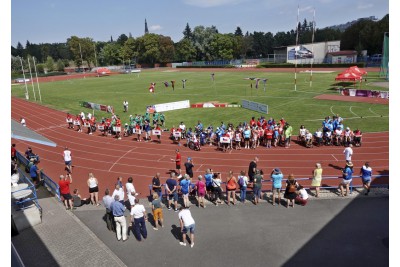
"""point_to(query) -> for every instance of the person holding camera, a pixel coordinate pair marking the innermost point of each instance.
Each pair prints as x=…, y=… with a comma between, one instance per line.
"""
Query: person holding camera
x=65, y=191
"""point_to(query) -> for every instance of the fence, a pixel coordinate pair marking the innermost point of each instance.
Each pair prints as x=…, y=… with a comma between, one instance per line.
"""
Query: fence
x=267, y=182
x=48, y=182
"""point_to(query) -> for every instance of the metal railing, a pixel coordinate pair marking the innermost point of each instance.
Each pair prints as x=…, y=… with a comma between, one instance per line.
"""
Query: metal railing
x=52, y=186
x=267, y=182
x=31, y=187
x=47, y=181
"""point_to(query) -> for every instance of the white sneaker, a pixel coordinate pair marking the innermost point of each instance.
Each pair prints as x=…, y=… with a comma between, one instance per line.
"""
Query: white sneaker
x=192, y=245
x=182, y=244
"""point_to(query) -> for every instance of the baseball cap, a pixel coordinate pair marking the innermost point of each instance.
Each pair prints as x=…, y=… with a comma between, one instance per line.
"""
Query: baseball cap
x=277, y=170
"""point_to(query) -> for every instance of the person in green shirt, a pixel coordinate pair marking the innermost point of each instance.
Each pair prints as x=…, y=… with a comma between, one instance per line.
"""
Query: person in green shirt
x=257, y=186
x=288, y=134
x=156, y=117
x=147, y=116
x=162, y=119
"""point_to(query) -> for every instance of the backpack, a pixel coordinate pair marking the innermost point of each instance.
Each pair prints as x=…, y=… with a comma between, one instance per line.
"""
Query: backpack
x=292, y=188
x=241, y=181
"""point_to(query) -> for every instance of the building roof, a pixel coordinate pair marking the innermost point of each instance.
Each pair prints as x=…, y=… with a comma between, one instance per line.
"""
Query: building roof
x=23, y=133
x=343, y=53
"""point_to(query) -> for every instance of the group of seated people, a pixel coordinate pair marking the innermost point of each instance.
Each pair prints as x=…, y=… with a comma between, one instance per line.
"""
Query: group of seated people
x=249, y=135
x=332, y=132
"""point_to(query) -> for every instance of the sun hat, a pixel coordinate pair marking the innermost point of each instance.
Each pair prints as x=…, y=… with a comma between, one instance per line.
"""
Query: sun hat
x=349, y=163
x=277, y=170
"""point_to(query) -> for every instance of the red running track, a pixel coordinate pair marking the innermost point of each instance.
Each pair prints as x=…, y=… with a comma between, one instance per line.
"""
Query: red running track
x=107, y=158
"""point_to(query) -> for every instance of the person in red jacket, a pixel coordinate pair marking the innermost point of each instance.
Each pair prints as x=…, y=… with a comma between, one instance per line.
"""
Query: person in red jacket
x=69, y=121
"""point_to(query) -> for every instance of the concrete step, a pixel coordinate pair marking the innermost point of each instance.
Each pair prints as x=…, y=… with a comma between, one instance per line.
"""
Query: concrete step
x=27, y=217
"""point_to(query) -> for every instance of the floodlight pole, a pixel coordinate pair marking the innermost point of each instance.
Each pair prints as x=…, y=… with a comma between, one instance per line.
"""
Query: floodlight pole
x=26, y=86
x=37, y=79
x=295, y=56
x=30, y=71
x=80, y=50
x=312, y=48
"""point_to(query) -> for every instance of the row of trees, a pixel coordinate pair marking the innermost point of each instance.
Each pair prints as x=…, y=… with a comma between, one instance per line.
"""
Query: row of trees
x=201, y=43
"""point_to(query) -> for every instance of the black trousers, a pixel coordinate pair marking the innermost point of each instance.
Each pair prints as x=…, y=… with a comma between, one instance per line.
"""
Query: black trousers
x=110, y=220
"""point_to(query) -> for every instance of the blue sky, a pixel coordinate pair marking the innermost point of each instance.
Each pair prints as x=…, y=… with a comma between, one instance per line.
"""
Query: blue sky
x=48, y=21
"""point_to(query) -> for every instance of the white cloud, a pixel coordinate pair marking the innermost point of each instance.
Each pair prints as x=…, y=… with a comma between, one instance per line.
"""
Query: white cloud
x=155, y=28
x=364, y=5
x=212, y=3
x=307, y=9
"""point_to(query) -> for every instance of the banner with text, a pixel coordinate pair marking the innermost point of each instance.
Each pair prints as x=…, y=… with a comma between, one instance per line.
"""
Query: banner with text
x=172, y=106
x=262, y=108
x=95, y=106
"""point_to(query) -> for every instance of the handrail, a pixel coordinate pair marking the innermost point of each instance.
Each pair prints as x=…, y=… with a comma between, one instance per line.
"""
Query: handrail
x=24, y=161
x=301, y=179
x=52, y=186
x=31, y=187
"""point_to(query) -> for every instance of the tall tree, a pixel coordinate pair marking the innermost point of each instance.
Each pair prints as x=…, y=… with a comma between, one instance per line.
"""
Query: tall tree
x=187, y=32
x=238, y=31
x=185, y=50
x=167, y=49
x=20, y=50
x=122, y=39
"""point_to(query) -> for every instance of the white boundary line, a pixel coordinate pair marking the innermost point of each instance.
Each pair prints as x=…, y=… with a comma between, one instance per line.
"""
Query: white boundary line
x=129, y=151
x=334, y=157
x=332, y=110
x=351, y=118
x=373, y=112
x=353, y=112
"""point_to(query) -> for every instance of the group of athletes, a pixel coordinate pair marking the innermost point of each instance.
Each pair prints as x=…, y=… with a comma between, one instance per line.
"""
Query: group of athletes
x=247, y=135
x=137, y=125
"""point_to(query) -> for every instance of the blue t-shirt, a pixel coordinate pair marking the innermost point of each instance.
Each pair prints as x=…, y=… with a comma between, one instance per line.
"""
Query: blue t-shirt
x=247, y=133
x=277, y=180
x=366, y=173
x=208, y=178
x=347, y=173
x=185, y=186
x=33, y=171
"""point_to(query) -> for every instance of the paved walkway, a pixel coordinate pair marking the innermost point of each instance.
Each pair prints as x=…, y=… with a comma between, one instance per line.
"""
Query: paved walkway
x=61, y=240
x=273, y=236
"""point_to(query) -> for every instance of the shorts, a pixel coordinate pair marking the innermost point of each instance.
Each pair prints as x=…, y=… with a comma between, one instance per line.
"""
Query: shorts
x=173, y=196
x=246, y=139
x=178, y=167
x=231, y=190
x=157, y=214
x=190, y=174
x=67, y=196
x=276, y=189
x=257, y=192
x=188, y=228
x=201, y=194
x=366, y=180
x=68, y=163
x=346, y=182
x=209, y=188
x=93, y=189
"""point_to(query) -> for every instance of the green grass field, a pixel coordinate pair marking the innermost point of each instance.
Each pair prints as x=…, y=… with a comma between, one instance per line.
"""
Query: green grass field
x=297, y=107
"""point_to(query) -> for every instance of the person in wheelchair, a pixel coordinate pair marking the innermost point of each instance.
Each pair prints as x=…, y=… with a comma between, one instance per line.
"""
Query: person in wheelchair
x=357, y=137
x=328, y=138
x=338, y=136
x=193, y=142
x=302, y=134
x=348, y=136
x=308, y=139
x=318, y=137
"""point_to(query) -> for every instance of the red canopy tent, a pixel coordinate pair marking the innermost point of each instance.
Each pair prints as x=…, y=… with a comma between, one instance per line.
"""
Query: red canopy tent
x=103, y=71
x=357, y=70
x=348, y=76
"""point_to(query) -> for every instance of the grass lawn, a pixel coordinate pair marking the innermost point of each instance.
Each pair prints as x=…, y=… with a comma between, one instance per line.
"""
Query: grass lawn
x=297, y=107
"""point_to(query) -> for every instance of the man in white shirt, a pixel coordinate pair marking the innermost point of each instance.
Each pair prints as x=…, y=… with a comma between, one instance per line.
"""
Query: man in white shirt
x=23, y=122
x=187, y=224
x=120, y=192
x=139, y=218
x=302, y=196
x=130, y=191
x=125, y=106
x=82, y=115
x=348, y=152
x=182, y=126
x=67, y=160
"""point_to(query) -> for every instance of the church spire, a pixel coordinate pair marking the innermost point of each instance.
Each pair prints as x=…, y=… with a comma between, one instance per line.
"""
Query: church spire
x=146, y=30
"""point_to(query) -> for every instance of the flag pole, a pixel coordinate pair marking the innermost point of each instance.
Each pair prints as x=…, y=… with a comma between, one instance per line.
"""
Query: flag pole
x=30, y=71
x=295, y=56
x=312, y=48
x=26, y=86
x=37, y=79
